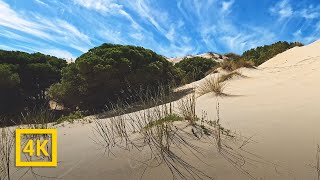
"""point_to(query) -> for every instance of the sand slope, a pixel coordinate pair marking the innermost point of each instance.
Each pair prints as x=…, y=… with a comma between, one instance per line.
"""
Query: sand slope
x=210, y=55
x=277, y=106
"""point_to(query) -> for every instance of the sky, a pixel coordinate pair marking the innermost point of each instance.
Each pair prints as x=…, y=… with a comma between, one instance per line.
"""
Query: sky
x=173, y=28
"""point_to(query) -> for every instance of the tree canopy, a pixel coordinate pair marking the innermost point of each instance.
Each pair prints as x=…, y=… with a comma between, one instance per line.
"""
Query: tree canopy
x=110, y=72
x=261, y=54
x=195, y=68
x=24, y=79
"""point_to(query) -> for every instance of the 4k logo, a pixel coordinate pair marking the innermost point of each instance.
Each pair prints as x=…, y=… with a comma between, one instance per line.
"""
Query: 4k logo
x=36, y=148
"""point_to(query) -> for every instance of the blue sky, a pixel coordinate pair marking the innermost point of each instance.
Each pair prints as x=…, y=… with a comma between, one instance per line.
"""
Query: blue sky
x=68, y=28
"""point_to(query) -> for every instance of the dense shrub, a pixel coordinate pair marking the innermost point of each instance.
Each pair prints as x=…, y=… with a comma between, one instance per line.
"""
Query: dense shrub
x=195, y=68
x=10, y=97
x=231, y=65
x=232, y=56
x=256, y=56
x=24, y=79
x=110, y=72
x=261, y=54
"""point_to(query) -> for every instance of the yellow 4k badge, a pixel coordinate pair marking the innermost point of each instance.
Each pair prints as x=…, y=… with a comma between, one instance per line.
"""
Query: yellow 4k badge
x=36, y=147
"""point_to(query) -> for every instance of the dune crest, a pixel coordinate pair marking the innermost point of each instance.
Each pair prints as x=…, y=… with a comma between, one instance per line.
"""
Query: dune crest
x=294, y=56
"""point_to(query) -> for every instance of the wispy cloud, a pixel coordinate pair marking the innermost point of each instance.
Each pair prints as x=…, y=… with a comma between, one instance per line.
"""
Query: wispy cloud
x=171, y=28
x=59, y=53
x=226, y=5
x=41, y=3
x=102, y=6
x=52, y=30
x=283, y=9
x=310, y=13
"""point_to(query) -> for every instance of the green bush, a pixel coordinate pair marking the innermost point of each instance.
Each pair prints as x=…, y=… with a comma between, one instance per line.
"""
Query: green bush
x=10, y=97
x=108, y=73
x=261, y=54
x=232, y=56
x=195, y=68
x=256, y=56
x=231, y=65
x=24, y=79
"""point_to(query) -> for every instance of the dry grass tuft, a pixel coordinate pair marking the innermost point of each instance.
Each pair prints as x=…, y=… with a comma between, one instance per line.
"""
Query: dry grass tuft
x=213, y=70
x=231, y=65
x=211, y=84
x=228, y=65
x=38, y=118
x=187, y=108
x=231, y=75
x=6, y=149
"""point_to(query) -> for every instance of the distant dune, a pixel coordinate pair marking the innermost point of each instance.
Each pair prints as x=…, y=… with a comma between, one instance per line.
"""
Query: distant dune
x=209, y=55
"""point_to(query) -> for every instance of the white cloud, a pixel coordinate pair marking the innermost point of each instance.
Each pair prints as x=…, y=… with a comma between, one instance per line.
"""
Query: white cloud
x=59, y=53
x=153, y=16
x=9, y=18
x=42, y=48
x=170, y=34
x=54, y=30
x=41, y=3
x=108, y=7
x=6, y=47
x=170, y=28
x=310, y=13
x=240, y=42
x=297, y=34
x=102, y=6
x=112, y=36
x=137, y=36
x=177, y=51
x=226, y=5
x=194, y=25
x=283, y=9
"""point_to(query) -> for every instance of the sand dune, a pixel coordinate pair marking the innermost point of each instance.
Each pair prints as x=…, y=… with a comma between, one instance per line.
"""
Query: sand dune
x=277, y=107
x=210, y=55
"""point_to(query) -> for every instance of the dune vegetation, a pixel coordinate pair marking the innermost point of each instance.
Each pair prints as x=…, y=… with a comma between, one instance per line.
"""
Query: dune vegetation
x=108, y=73
x=212, y=85
x=195, y=68
x=103, y=76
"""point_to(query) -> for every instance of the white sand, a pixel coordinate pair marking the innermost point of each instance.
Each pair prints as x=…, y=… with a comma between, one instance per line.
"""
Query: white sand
x=278, y=106
x=216, y=57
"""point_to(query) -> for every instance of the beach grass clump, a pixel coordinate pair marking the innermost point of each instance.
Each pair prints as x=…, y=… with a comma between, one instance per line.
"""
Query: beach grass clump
x=213, y=70
x=228, y=65
x=187, y=108
x=38, y=118
x=211, y=84
x=231, y=65
x=170, y=118
x=231, y=75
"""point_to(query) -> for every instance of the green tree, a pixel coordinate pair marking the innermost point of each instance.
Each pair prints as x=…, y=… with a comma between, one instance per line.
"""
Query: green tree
x=261, y=54
x=10, y=96
x=195, y=68
x=110, y=72
x=36, y=73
